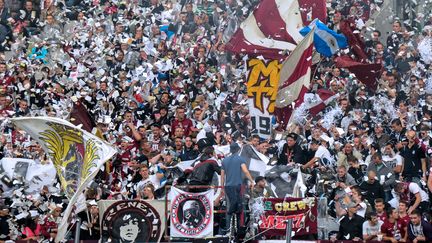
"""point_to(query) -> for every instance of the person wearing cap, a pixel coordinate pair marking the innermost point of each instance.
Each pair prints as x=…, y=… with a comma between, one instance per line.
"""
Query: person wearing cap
x=261, y=189
x=351, y=224
x=291, y=152
x=51, y=221
x=233, y=169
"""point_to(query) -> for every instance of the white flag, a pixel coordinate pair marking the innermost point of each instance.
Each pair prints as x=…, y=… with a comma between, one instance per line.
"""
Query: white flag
x=76, y=154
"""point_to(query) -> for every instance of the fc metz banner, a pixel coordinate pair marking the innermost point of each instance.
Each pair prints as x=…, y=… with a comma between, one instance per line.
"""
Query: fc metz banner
x=303, y=211
x=262, y=88
x=191, y=214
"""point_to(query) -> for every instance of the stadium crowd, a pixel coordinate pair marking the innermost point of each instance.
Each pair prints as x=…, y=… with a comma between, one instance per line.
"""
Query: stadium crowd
x=162, y=89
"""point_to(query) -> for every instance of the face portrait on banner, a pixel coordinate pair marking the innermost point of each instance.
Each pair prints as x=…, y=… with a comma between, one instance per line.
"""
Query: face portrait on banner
x=191, y=214
x=132, y=227
x=131, y=221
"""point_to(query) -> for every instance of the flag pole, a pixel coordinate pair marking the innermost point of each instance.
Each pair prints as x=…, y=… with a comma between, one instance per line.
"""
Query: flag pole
x=90, y=218
x=77, y=230
x=316, y=69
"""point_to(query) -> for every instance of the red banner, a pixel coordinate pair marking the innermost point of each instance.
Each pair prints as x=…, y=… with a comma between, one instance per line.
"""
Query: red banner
x=303, y=211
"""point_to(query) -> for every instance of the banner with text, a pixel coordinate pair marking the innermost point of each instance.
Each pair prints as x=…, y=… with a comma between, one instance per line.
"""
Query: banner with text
x=262, y=87
x=303, y=212
x=132, y=220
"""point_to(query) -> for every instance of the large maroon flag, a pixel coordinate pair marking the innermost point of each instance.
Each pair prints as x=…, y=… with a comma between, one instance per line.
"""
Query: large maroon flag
x=354, y=40
x=313, y=9
x=272, y=29
x=368, y=74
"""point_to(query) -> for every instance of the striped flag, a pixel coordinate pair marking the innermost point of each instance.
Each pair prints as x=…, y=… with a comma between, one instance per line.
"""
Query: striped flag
x=322, y=97
x=271, y=30
x=294, y=79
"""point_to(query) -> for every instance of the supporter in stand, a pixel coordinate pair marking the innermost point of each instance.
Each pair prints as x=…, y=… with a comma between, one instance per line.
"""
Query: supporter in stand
x=412, y=193
x=372, y=227
x=160, y=83
x=384, y=174
x=380, y=209
x=261, y=188
x=291, y=151
x=394, y=229
x=418, y=229
x=351, y=225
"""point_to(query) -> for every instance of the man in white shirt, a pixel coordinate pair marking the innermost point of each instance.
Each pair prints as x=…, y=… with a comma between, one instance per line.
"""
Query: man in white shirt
x=372, y=227
x=411, y=192
x=145, y=179
x=322, y=155
x=391, y=159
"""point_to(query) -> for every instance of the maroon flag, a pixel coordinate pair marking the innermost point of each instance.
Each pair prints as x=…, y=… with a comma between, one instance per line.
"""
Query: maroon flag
x=354, y=40
x=294, y=79
x=313, y=9
x=271, y=30
x=323, y=98
x=80, y=115
x=368, y=74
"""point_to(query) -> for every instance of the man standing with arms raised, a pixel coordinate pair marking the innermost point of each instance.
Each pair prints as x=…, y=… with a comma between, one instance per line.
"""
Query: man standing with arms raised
x=233, y=168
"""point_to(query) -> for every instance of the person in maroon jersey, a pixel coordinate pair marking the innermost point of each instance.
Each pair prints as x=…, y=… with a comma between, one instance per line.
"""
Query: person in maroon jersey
x=181, y=121
x=394, y=229
x=403, y=211
x=380, y=209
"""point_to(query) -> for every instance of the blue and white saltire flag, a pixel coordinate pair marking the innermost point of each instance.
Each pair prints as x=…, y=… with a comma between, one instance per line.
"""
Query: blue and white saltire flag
x=326, y=41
